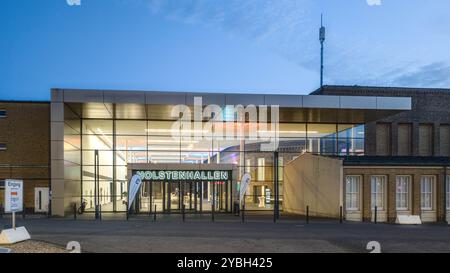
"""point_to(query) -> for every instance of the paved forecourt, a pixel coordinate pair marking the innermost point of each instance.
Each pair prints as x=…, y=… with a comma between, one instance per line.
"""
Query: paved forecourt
x=228, y=234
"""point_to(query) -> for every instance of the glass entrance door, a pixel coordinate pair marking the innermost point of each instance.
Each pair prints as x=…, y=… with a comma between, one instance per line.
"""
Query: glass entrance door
x=173, y=196
x=189, y=196
x=197, y=197
x=157, y=196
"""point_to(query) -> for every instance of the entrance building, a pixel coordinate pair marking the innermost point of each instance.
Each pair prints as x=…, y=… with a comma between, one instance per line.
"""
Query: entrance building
x=368, y=152
x=166, y=188
x=373, y=152
x=99, y=138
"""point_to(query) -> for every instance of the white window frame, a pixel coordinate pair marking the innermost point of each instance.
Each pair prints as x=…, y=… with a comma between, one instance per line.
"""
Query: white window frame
x=261, y=176
x=378, y=195
x=448, y=192
x=402, y=194
x=429, y=193
x=355, y=194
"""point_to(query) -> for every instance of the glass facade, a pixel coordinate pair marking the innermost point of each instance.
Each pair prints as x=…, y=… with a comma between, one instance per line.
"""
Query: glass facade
x=122, y=135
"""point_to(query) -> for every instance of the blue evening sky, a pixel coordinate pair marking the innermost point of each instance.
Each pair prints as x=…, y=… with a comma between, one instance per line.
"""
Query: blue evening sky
x=249, y=46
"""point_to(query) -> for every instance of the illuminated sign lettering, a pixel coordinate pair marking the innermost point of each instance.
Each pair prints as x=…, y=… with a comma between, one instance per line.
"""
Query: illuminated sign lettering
x=181, y=175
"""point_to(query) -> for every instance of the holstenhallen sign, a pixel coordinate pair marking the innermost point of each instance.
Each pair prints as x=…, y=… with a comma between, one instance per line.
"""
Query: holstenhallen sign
x=184, y=175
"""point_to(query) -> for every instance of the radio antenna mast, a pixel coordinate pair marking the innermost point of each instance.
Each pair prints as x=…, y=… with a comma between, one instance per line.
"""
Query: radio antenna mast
x=322, y=40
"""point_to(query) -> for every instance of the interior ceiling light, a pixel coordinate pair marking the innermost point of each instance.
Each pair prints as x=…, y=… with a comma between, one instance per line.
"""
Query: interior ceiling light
x=175, y=131
x=289, y=132
x=171, y=141
x=171, y=148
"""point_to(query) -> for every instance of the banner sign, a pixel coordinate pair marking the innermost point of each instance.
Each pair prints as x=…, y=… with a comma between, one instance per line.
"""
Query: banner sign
x=245, y=181
x=13, y=195
x=184, y=175
x=135, y=184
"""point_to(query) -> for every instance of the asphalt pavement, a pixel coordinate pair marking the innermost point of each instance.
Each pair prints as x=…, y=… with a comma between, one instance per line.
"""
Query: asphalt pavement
x=228, y=233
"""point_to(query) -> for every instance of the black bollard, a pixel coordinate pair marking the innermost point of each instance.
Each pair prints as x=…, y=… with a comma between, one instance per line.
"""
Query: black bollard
x=1, y=211
x=183, y=212
x=212, y=211
x=375, y=216
x=154, y=215
x=307, y=214
x=340, y=215
x=74, y=211
x=23, y=213
x=243, y=213
x=274, y=214
x=49, y=212
x=97, y=214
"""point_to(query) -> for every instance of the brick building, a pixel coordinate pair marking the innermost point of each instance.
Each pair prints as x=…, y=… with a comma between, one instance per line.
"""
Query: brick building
x=407, y=153
x=357, y=148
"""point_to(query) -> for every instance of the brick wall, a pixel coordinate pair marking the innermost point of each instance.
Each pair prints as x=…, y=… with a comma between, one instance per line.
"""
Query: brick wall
x=429, y=106
x=25, y=131
x=391, y=173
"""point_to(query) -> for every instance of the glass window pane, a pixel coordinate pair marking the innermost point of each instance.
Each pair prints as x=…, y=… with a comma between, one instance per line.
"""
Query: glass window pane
x=97, y=142
x=105, y=157
x=427, y=192
x=97, y=127
x=165, y=128
x=261, y=169
x=402, y=192
x=131, y=127
x=292, y=130
x=377, y=185
x=321, y=130
x=352, y=192
x=131, y=143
